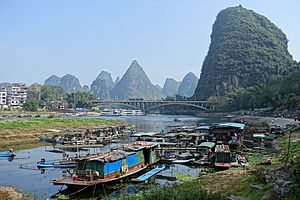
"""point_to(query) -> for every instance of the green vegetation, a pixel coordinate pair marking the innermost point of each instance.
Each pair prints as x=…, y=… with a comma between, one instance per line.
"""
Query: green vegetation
x=32, y=105
x=79, y=99
x=184, y=191
x=246, y=49
x=51, y=93
x=281, y=94
x=44, y=123
x=184, y=177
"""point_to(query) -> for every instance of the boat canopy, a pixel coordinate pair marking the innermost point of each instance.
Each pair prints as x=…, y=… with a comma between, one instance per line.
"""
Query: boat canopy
x=202, y=128
x=234, y=125
x=207, y=144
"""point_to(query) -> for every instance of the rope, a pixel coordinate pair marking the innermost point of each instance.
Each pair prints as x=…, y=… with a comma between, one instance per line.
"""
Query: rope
x=104, y=190
x=78, y=191
x=94, y=190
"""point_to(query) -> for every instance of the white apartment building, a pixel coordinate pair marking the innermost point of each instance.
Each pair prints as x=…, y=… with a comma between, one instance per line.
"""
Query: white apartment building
x=16, y=95
x=3, y=97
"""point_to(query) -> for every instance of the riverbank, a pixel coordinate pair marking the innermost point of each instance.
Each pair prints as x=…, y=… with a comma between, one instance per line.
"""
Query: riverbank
x=278, y=179
x=24, y=133
x=10, y=193
x=16, y=113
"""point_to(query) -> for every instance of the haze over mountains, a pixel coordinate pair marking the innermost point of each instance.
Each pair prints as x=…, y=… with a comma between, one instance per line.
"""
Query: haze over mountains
x=133, y=84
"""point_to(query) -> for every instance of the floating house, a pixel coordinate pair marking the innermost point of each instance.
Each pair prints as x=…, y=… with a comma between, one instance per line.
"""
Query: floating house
x=111, y=166
x=228, y=133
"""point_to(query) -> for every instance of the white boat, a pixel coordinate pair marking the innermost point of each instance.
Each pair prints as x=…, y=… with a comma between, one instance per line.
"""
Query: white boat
x=106, y=112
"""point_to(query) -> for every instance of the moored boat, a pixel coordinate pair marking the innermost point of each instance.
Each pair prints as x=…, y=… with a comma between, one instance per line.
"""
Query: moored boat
x=111, y=166
x=56, y=164
x=10, y=153
x=50, y=140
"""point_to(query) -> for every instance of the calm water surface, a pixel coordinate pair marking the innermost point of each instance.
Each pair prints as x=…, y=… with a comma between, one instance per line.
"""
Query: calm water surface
x=29, y=179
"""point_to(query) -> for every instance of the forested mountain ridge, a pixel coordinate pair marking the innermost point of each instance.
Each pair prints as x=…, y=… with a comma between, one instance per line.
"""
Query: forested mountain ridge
x=102, y=85
x=69, y=83
x=246, y=48
x=134, y=84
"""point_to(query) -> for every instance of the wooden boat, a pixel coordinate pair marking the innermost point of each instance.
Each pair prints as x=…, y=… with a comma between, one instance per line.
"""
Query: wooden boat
x=11, y=153
x=50, y=140
x=205, y=151
x=111, y=166
x=149, y=174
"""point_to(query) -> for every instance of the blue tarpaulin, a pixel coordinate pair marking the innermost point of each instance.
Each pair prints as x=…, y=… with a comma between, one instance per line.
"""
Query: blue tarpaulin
x=111, y=167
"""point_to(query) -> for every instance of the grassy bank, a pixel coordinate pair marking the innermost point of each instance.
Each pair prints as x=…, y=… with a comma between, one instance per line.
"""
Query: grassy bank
x=185, y=191
x=16, y=112
x=24, y=133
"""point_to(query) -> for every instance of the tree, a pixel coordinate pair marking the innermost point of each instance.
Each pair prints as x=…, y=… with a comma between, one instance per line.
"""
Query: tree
x=51, y=93
x=31, y=105
x=79, y=99
x=236, y=98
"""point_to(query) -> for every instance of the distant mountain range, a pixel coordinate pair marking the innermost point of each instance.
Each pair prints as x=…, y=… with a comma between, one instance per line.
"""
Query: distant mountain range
x=68, y=82
x=133, y=84
x=170, y=87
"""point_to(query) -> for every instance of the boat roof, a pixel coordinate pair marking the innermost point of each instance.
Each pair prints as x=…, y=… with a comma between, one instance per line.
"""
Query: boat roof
x=106, y=157
x=203, y=128
x=207, y=144
x=136, y=146
x=141, y=134
x=233, y=124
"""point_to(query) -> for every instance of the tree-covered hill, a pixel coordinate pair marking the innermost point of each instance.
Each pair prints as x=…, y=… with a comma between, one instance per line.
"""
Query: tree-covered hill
x=246, y=49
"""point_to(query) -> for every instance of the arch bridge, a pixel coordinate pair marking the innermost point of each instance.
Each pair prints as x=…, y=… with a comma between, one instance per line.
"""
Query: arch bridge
x=146, y=105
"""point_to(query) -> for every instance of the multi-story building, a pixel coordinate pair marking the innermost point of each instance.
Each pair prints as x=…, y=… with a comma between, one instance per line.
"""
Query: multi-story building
x=16, y=95
x=3, y=97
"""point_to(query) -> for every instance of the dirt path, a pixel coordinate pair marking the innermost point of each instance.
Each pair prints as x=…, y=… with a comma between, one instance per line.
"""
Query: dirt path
x=273, y=120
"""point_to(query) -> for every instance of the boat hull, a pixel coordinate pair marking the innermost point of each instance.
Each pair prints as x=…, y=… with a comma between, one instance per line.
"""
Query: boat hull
x=6, y=155
x=55, y=165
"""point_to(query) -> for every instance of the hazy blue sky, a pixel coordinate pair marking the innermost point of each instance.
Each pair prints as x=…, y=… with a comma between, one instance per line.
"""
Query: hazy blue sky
x=168, y=38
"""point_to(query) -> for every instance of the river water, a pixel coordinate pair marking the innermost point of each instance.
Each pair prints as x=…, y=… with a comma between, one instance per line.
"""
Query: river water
x=31, y=180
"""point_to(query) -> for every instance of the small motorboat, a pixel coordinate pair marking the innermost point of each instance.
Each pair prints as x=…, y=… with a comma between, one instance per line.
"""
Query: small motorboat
x=11, y=153
x=58, y=164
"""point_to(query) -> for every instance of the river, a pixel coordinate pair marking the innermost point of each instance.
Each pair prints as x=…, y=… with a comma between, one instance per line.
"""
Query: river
x=31, y=180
